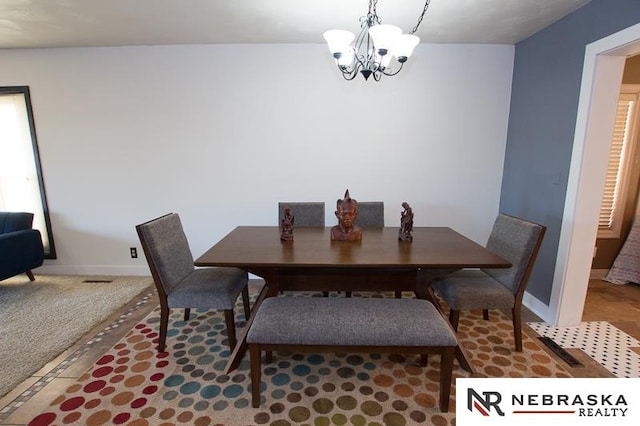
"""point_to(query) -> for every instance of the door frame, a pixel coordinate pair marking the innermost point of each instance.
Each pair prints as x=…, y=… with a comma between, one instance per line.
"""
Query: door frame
x=601, y=78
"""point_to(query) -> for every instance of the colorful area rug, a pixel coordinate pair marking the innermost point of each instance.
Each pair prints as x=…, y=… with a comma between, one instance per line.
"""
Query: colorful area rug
x=133, y=384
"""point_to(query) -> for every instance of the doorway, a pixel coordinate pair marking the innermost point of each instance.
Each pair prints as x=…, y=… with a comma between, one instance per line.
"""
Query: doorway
x=602, y=75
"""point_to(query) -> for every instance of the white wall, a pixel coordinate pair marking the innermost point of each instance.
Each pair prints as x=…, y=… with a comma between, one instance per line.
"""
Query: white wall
x=221, y=133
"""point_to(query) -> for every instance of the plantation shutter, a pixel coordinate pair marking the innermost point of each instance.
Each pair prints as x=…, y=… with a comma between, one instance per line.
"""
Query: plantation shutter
x=610, y=207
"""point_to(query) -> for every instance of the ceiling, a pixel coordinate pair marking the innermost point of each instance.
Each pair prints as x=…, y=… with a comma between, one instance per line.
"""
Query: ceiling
x=75, y=23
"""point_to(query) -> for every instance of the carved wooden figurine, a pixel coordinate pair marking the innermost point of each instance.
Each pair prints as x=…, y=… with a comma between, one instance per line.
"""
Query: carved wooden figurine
x=287, y=225
x=406, y=223
x=346, y=212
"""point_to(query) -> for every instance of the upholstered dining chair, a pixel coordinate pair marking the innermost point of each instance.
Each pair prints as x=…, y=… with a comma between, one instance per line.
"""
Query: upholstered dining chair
x=180, y=285
x=307, y=214
x=518, y=241
x=370, y=214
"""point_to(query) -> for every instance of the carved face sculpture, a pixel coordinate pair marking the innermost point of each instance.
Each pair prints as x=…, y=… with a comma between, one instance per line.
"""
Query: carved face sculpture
x=346, y=211
x=346, y=215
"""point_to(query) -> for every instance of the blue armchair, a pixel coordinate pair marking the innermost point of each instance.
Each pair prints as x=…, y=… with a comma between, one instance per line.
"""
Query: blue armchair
x=20, y=246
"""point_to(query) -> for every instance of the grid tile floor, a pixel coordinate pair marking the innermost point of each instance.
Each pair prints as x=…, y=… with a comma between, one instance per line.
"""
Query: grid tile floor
x=607, y=345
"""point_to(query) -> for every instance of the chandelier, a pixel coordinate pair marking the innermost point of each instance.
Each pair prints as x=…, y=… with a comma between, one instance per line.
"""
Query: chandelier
x=375, y=47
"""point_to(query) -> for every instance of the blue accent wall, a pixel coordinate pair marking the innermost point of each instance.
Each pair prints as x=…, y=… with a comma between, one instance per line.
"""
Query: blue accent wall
x=544, y=103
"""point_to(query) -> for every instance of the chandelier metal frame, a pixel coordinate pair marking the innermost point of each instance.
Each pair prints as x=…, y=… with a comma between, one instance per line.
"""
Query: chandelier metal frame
x=363, y=56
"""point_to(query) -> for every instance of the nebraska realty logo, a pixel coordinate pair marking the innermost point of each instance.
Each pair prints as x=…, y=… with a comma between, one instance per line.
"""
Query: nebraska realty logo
x=552, y=401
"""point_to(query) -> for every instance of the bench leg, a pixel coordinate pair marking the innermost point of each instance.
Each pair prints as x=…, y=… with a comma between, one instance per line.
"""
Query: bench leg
x=256, y=371
x=446, y=371
x=268, y=356
x=30, y=275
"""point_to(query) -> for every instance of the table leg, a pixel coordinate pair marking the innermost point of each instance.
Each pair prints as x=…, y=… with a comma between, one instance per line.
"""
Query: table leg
x=269, y=289
x=424, y=291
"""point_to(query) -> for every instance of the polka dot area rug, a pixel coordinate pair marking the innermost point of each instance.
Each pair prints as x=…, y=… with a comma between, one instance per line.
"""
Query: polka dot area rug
x=133, y=384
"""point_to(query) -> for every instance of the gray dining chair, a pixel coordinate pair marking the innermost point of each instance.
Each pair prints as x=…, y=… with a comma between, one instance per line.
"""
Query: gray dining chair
x=516, y=240
x=370, y=214
x=306, y=214
x=180, y=285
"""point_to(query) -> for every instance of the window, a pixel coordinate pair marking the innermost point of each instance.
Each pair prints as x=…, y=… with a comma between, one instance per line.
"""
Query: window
x=620, y=163
x=21, y=182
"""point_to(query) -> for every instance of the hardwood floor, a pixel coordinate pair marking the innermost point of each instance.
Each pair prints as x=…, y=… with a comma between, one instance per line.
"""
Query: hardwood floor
x=617, y=305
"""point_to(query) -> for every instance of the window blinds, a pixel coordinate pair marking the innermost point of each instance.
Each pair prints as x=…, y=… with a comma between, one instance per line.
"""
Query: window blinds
x=611, y=207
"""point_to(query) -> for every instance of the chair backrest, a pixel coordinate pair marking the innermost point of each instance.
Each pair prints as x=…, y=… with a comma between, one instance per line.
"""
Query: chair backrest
x=167, y=251
x=306, y=214
x=518, y=241
x=15, y=221
x=370, y=214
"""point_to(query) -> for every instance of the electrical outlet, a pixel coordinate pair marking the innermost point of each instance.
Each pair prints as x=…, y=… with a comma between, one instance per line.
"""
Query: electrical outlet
x=134, y=252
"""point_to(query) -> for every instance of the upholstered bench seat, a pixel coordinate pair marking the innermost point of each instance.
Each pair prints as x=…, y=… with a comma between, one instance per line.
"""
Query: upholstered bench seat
x=318, y=324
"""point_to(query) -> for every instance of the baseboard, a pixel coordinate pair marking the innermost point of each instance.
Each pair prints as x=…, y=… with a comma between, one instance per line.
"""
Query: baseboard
x=537, y=307
x=142, y=270
x=598, y=274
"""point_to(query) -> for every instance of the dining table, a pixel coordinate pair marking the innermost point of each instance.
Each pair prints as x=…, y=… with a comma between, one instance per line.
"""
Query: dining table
x=380, y=261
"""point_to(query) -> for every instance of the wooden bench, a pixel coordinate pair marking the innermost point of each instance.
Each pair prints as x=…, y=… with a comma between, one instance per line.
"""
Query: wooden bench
x=373, y=325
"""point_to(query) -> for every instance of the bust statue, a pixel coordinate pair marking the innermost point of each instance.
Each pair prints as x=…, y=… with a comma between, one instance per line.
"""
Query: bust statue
x=346, y=212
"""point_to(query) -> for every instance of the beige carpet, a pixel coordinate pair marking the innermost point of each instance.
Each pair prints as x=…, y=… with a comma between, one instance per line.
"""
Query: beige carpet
x=41, y=319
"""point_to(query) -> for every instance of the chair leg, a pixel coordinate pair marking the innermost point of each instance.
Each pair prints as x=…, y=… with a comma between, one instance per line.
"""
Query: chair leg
x=517, y=328
x=187, y=311
x=164, y=322
x=229, y=319
x=454, y=318
x=256, y=371
x=30, y=275
x=485, y=314
x=424, y=360
x=245, y=303
x=398, y=294
x=446, y=371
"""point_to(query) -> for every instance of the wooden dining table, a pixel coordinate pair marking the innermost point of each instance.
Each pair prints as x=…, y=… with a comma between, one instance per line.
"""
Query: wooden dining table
x=379, y=262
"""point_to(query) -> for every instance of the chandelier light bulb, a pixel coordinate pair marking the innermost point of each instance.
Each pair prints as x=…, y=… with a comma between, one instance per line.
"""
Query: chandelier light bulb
x=384, y=37
x=385, y=60
x=403, y=46
x=346, y=58
x=339, y=41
